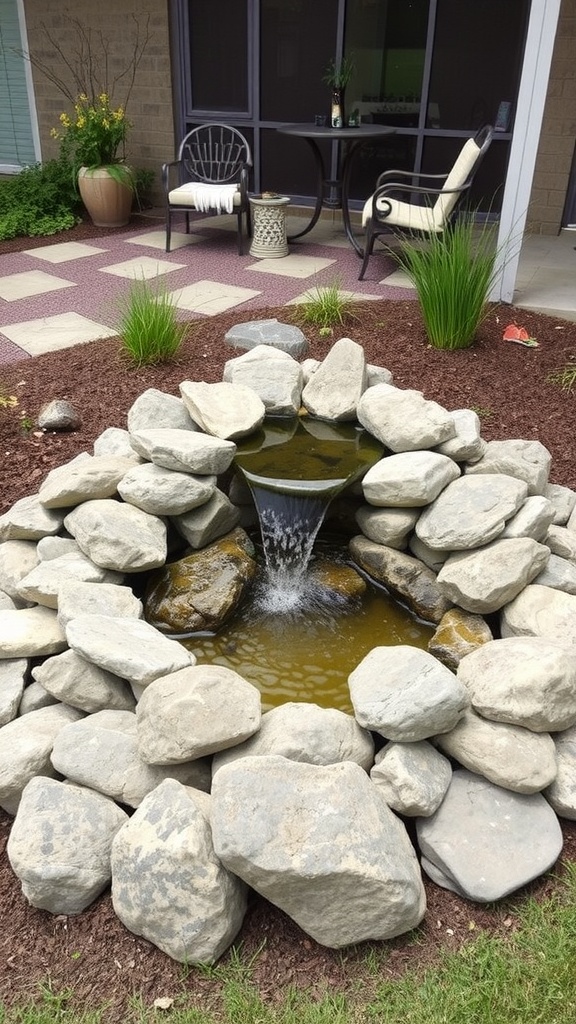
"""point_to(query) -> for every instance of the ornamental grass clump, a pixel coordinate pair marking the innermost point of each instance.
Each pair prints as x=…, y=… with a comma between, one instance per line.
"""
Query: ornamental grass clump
x=148, y=326
x=326, y=307
x=453, y=273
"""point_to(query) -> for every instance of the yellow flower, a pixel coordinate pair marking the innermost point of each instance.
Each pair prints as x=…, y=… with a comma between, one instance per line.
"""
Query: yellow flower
x=80, y=123
x=54, y=133
x=103, y=98
x=65, y=120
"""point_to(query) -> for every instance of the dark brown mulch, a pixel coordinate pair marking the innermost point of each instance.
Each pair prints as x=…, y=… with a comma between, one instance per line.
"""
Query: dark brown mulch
x=94, y=954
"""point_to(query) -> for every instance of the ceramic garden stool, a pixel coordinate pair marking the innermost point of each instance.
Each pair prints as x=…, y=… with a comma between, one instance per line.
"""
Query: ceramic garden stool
x=269, y=227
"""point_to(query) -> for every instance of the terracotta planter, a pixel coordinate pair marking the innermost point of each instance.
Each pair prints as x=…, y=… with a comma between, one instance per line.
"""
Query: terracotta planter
x=107, y=200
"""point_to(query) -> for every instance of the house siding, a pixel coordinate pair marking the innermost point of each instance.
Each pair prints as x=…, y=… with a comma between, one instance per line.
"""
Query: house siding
x=150, y=107
x=556, y=148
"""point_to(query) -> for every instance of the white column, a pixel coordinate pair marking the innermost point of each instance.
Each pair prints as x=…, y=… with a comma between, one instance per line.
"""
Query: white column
x=524, y=146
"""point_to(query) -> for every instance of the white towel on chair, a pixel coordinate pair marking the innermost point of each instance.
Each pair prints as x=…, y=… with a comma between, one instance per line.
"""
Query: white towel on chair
x=212, y=197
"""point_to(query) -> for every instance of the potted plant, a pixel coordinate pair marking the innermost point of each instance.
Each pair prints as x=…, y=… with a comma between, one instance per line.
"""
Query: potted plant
x=93, y=140
x=337, y=75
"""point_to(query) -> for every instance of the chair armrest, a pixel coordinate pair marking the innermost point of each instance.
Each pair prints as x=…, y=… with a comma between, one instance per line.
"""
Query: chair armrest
x=386, y=191
x=168, y=174
x=393, y=175
x=244, y=181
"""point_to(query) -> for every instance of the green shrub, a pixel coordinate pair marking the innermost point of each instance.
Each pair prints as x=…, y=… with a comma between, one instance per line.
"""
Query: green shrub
x=325, y=307
x=148, y=328
x=40, y=200
x=452, y=273
x=565, y=377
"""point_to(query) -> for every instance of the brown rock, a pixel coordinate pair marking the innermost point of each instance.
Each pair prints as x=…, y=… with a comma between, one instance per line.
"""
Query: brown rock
x=458, y=633
x=405, y=577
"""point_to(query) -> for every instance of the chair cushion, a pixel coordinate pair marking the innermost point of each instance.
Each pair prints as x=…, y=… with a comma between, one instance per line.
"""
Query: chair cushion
x=459, y=174
x=402, y=215
x=205, y=197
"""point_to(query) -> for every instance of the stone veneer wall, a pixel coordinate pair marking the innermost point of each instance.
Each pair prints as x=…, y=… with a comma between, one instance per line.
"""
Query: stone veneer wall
x=151, y=140
x=558, y=134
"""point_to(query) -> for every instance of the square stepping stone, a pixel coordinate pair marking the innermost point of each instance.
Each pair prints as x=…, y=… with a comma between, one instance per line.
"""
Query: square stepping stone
x=64, y=251
x=30, y=282
x=212, y=297
x=157, y=240
x=311, y=295
x=293, y=265
x=397, y=279
x=142, y=267
x=52, y=333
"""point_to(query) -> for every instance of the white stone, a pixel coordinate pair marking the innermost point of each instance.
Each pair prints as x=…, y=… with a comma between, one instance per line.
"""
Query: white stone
x=44, y=582
x=531, y=520
x=115, y=441
x=322, y=845
x=561, y=794
x=76, y=598
x=128, y=648
x=215, y=518
x=54, y=547
x=467, y=445
x=563, y=500
x=30, y=633
x=335, y=389
x=17, y=559
x=507, y=755
x=389, y=526
x=155, y=409
x=559, y=573
x=470, y=511
x=412, y=777
x=118, y=536
x=273, y=375
x=405, y=694
x=223, y=410
x=27, y=519
x=540, y=611
x=168, y=884
x=523, y=680
x=82, y=480
x=164, y=492
x=13, y=674
x=195, y=712
x=60, y=845
x=185, y=451
x=527, y=460
x=562, y=542
x=25, y=747
x=408, y=480
x=79, y=683
x=485, y=579
x=305, y=732
x=403, y=419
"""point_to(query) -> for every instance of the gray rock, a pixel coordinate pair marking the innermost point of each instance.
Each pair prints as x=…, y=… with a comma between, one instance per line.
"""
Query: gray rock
x=310, y=852
x=470, y=511
x=115, y=441
x=526, y=460
x=404, y=694
x=561, y=794
x=101, y=752
x=25, y=748
x=60, y=845
x=168, y=884
x=163, y=492
x=562, y=542
x=27, y=519
x=511, y=838
x=195, y=712
x=558, y=573
x=223, y=410
x=563, y=500
x=523, y=680
x=305, y=732
x=184, y=451
x=408, y=480
x=59, y=415
x=274, y=375
x=203, y=525
x=77, y=598
x=335, y=389
x=466, y=445
x=30, y=633
x=155, y=409
x=128, y=648
x=507, y=755
x=531, y=520
x=412, y=777
x=487, y=578
x=13, y=674
x=284, y=337
x=118, y=536
x=403, y=419
x=540, y=611
x=34, y=698
x=79, y=683
x=54, y=547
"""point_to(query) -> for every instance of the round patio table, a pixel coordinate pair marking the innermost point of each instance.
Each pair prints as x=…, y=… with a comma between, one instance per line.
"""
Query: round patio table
x=333, y=193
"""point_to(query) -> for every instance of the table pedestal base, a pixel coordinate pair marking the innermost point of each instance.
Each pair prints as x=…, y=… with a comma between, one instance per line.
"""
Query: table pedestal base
x=269, y=228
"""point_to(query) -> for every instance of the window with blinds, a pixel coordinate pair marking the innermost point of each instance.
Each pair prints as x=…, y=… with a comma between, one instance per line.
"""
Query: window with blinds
x=17, y=144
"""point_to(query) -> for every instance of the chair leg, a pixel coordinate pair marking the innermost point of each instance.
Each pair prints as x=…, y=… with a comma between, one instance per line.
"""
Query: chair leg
x=168, y=228
x=240, y=238
x=368, y=249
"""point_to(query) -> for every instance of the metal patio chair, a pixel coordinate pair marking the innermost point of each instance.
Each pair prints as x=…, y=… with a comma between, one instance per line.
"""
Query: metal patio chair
x=389, y=210
x=210, y=175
